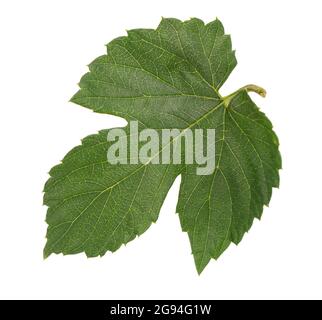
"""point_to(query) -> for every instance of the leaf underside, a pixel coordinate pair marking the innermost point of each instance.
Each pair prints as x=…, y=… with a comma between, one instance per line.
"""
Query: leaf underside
x=164, y=78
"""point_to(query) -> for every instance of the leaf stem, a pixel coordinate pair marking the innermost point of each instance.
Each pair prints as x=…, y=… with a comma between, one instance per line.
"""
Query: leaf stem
x=248, y=88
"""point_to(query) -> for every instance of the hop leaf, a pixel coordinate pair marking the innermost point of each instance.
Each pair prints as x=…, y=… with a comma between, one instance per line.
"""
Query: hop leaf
x=164, y=78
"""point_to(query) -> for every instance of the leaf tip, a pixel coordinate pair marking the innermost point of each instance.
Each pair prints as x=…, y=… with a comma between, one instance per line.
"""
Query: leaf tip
x=46, y=253
x=200, y=268
x=201, y=262
x=73, y=98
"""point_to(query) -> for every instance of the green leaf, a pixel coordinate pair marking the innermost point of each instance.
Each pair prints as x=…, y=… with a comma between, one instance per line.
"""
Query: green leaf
x=95, y=206
x=218, y=209
x=164, y=78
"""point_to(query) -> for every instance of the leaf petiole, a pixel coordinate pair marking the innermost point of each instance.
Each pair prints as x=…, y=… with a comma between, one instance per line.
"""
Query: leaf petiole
x=249, y=88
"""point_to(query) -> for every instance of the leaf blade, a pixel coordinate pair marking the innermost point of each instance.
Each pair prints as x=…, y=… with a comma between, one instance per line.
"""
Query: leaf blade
x=96, y=206
x=165, y=78
x=249, y=175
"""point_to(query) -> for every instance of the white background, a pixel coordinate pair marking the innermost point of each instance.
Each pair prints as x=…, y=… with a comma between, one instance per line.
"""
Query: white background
x=44, y=49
